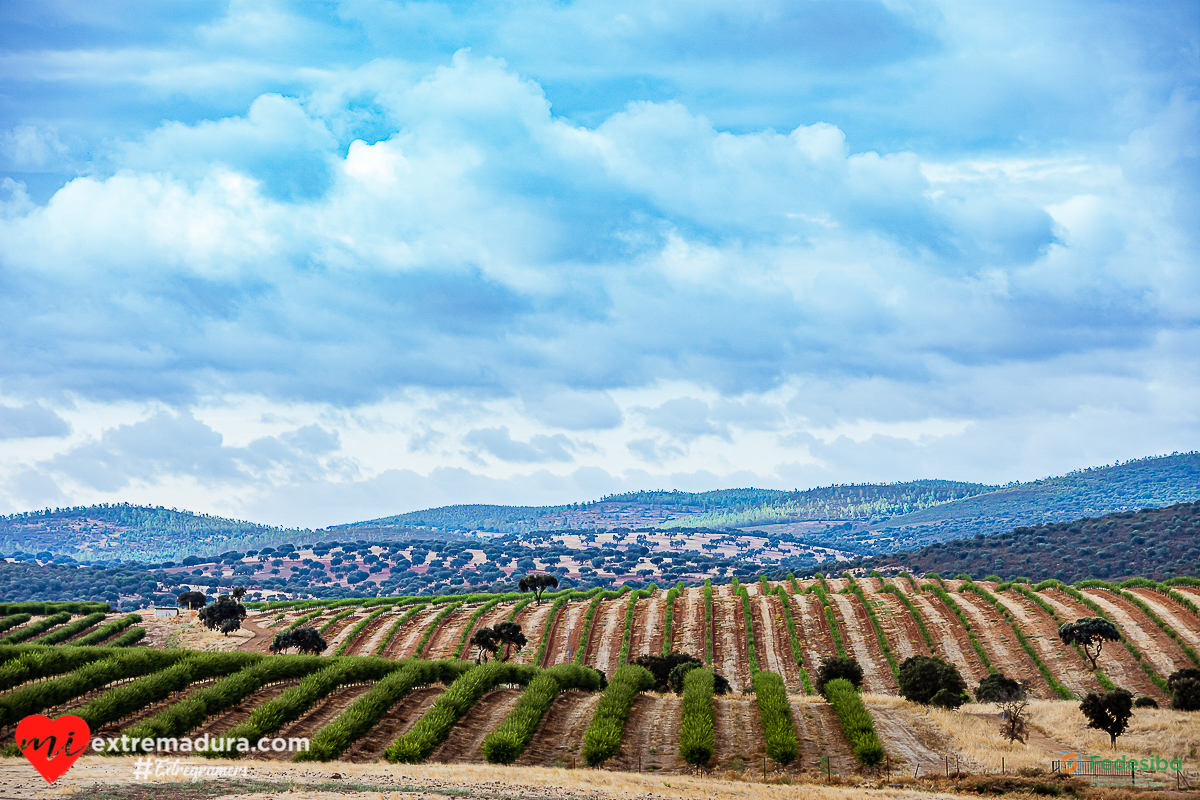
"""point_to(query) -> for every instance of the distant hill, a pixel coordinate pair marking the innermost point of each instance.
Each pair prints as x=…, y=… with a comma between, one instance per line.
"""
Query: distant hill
x=1157, y=543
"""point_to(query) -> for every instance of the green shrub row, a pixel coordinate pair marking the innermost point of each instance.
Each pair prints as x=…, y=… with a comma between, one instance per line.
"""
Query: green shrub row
x=775, y=711
x=127, y=639
x=1133, y=649
x=1032, y=596
x=1145, y=608
x=589, y=621
x=70, y=629
x=36, y=628
x=627, y=635
x=976, y=645
x=13, y=620
x=830, y=617
x=435, y=725
x=303, y=620
x=708, y=623
x=748, y=622
x=19, y=666
x=40, y=609
x=793, y=637
x=795, y=585
x=442, y=616
x=34, y=698
x=365, y=713
x=518, y=608
x=603, y=735
x=397, y=626
x=888, y=655
x=335, y=619
x=669, y=616
x=914, y=612
x=696, y=744
x=469, y=629
x=358, y=629
x=107, y=630
x=295, y=702
x=505, y=744
x=856, y=721
x=192, y=710
x=911, y=582
x=124, y=700
x=556, y=608
x=1062, y=691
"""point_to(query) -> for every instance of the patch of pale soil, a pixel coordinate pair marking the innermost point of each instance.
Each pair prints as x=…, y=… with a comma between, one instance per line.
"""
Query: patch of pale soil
x=532, y=625
x=990, y=632
x=1063, y=663
x=1114, y=659
x=945, y=637
x=345, y=627
x=822, y=740
x=1134, y=629
x=566, y=634
x=375, y=638
x=606, y=638
x=764, y=638
x=899, y=628
x=737, y=732
x=466, y=738
x=188, y=632
x=1177, y=621
x=872, y=680
x=907, y=737
x=651, y=739
x=409, y=639
x=728, y=632
x=498, y=614
x=646, y=623
x=560, y=734
x=446, y=638
x=688, y=633
x=814, y=630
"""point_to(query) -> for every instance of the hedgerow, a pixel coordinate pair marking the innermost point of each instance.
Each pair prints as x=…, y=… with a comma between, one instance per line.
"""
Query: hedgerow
x=696, y=744
x=544, y=644
x=748, y=622
x=366, y=712
x=505, y=744
x=627, y=635
x=875, y=624
x=856, y=721
x=305, y=618
x=127, y=639
x=70, y=629
x=708, y=623
x=793, y=638
x=775, y=711
x=435, y=725
x=33, y=698
x=966, y=623
x=192, y=710
x=43, y=608
x=397, y=626
x=830, y=617
x=357, y=630
x=603, y=736
x=1062, y=691
x=669, y=616
x=13, y=620
x=334, y=620
x=36, y=628
x=107, y=630
x=295, y=702
x=33, y=663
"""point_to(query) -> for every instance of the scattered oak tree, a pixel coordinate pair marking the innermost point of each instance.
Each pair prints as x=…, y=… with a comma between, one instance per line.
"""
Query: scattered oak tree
x=305, y=640
x=192, y=600
x=537, y=583
x=486, y=643
x=225, y=615
x=1184, y=686
x=509, y=636
x=1090, y=633
x=997, y=688
x=1108, y=712
x=834, y=667
x=930, y=680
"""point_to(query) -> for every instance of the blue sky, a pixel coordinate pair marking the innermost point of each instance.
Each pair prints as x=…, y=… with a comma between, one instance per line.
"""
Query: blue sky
x=313, y=262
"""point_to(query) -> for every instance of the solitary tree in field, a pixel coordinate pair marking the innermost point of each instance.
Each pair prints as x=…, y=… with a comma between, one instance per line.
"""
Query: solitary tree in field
x=1184, y=685
x=509, y=636
x=537, y=583
x=930, y=680
x=1108, y=712
x=226, y=615
x=487, y=643
x=1090, y=633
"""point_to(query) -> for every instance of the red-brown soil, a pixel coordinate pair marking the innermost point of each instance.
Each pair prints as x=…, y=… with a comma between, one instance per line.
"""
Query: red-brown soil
x=404, y=644
x=533, y=619
x=467, y=737
x=1041, y=630
x=319, y=716
x=899, y=626
x=950, y=636
x=564, y=640
x=821, y=739
x=608, y=626
x=1184, y=622
x=813, y=629
x=729, y=639
x=361, y=644
x=772, y=641
x=395, y=723
x=560, y=736
x=651, y=739
x=858, y=636
x=737, y=733
x=1000, y=643
x=227, y=720
x=1161, y=650
x=689, y=627
x=448, y=635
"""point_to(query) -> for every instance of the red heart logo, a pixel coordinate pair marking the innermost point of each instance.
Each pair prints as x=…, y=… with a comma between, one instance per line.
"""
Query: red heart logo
x=52, y=745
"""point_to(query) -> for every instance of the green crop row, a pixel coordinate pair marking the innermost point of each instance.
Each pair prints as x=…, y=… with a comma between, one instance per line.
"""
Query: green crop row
x=1142, y=661
x=669, y=616
x=149, y=689
x=335, y=619
x=589, y=619
x=875, y=624
x=36, y=628
x=191, y=711
x=830, y=617
x=793, y=638
x=748, y=622
x=27, y=663
x=70, y=629
x=34, y=698
x=544, y=643
x=914, y=613
x=295, y=702
x=505, y=744
x=13, y=620
x=107, y=630
x=432, y=628
x=365, y=713
x=856, y=721
x=361, y=626
x=518, y=608
x=775, y=711
x=708, y=623
x=39, y=608
x=603, y=735
x=976, y=645
x=1148, y=611
x=435, y=725
x=127, y=639
x=1032, y=596
x=1062, y=691
x=795, y=585
x=397, y=626
x=300, y=621
x=696, y=743
x=627, y=635
x=466, y=634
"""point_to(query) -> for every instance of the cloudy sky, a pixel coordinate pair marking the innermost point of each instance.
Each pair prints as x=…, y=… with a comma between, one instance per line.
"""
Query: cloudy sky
x=313, y=262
